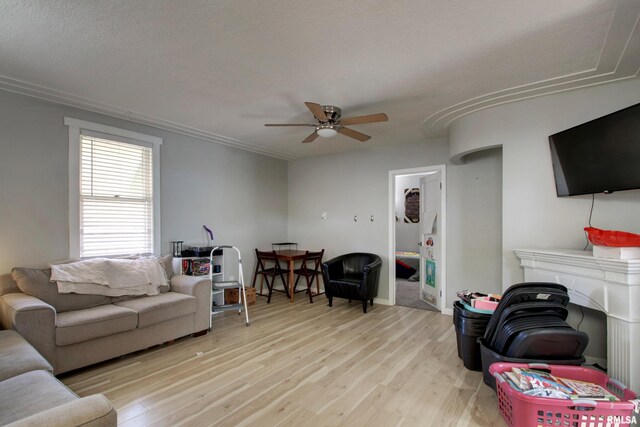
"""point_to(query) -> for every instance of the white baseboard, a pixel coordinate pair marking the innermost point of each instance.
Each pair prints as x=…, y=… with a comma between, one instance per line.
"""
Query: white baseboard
x=385, y=301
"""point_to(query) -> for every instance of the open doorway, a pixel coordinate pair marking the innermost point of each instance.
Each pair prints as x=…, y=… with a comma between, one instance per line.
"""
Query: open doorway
x=417, y=237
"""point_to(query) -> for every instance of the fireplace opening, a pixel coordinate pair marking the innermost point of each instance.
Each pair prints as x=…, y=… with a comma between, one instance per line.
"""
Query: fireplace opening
x=594, y=324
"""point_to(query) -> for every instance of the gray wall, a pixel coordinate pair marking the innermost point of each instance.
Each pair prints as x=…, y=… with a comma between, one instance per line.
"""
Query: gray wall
x=357, y=183
x=474, y=212
x=533, y=216
x=244, y=196
x=241, y=195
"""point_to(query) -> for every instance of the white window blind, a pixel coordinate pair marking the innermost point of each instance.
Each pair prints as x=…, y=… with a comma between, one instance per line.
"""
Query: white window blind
x=116, y=197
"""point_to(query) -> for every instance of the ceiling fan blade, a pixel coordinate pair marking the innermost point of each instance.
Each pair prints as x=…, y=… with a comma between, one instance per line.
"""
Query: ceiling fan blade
x=317, y=111
x=354, y=134
x=371, y=118
x=287, y=124
x=310, y=138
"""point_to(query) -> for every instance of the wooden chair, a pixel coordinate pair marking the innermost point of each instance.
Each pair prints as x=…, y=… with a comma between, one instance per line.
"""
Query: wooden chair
x=310, y=270
x=268, y=268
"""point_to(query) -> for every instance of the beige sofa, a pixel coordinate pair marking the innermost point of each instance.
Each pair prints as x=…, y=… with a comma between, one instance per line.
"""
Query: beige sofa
x=72, y=331
x=31, y=396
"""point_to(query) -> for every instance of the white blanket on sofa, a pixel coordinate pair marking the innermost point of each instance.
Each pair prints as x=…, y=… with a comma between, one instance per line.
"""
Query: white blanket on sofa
x=110, y=277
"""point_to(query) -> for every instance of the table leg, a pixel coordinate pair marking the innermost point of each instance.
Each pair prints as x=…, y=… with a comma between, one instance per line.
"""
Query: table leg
x=291, y=280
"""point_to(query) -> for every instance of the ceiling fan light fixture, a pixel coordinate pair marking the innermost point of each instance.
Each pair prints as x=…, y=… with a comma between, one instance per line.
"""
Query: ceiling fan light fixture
x=326, y=132
x=329, y=123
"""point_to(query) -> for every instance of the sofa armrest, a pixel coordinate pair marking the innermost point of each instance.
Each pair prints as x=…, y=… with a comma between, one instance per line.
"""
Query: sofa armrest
x=32, y=318
x=95, y=411
x=199, y=287
x=333, y=268
x=371, y=278
x=371, y=268
x=17, y=356
x=375, y=264
x=189, y=285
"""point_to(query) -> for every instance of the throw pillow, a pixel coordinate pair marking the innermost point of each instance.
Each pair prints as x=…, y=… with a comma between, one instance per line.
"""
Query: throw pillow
x=37, y=283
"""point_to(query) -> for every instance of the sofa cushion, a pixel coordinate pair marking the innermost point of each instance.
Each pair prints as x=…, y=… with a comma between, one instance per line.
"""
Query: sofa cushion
x=37, y=283
x=31, y=393
x=17, y=356
x=82, y=325
x=159, y=308
x=8, y=285
x=353, y=278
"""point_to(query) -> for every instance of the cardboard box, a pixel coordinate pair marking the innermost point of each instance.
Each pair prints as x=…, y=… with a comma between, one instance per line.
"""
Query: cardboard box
x=231, y=296
x=484, y=303
x=615, y=252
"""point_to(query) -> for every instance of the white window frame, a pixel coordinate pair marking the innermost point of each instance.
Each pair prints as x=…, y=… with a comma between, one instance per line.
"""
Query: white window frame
x=76, y=127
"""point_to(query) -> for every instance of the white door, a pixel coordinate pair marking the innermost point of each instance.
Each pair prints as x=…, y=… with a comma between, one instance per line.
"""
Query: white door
x=430, y=244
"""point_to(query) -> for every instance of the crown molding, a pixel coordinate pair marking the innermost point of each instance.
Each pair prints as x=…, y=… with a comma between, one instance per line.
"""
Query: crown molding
x=17, y=86
x=619, y=60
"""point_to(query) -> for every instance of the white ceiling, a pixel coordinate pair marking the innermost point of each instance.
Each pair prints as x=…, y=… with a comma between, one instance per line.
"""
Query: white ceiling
x=221, y=69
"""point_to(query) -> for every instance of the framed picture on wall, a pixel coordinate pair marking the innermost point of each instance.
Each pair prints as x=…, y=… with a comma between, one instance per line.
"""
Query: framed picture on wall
x=412, y=205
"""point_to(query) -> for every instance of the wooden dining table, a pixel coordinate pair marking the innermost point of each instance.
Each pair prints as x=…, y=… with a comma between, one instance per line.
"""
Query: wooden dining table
x=290, y=256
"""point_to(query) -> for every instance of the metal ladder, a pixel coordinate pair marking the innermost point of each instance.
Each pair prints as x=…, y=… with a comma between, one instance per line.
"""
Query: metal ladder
x=239, y=284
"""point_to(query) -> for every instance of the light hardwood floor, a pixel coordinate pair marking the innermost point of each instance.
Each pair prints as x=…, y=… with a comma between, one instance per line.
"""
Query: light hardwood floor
x=300, y=364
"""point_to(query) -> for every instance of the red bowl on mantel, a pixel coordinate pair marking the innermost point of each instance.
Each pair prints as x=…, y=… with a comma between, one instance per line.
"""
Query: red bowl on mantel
x=613, y=238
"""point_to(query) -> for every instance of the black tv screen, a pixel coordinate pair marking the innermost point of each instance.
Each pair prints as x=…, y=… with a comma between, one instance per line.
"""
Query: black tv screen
x=600, y=156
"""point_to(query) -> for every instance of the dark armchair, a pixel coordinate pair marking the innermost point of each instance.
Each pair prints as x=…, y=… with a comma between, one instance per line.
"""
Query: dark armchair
x=352, y=276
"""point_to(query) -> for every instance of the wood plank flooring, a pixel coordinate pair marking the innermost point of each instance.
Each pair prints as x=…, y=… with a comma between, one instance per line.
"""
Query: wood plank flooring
x=300, y=364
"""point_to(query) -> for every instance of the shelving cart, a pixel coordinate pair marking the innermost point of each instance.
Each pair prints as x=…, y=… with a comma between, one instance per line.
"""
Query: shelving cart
x=218, y=287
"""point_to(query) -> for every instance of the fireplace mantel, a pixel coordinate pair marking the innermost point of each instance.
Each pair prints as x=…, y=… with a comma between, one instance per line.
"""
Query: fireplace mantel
x=608, y=285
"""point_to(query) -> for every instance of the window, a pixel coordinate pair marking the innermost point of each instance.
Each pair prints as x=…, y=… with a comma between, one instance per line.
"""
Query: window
x=114, y=195
x=116, y=198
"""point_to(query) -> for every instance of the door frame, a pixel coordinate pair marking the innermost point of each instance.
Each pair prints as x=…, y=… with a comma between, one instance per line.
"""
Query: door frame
x=443, y=229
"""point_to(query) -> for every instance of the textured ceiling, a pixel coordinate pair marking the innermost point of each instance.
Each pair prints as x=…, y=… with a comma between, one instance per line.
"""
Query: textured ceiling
x=221, y=69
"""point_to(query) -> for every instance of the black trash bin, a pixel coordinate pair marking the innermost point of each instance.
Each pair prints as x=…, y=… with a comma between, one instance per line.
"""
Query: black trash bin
x=470, y=326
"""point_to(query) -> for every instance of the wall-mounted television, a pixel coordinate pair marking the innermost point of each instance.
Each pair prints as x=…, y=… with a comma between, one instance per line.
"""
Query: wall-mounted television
x=600, y=156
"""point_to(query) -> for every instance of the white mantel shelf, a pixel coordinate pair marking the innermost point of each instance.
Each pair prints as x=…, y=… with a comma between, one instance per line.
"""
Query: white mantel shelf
x=608, y=285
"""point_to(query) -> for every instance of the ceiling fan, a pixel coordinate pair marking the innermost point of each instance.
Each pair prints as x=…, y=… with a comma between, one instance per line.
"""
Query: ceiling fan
x=330, y=122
